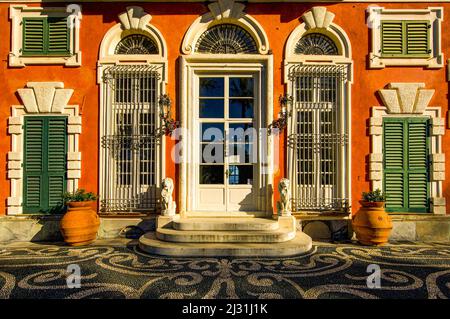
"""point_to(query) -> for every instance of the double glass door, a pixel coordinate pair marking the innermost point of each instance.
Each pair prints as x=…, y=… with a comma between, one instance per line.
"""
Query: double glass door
x=227, y=143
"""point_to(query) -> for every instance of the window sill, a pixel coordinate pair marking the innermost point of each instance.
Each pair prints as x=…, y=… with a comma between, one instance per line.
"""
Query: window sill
x=380, y=62
x=21, y=61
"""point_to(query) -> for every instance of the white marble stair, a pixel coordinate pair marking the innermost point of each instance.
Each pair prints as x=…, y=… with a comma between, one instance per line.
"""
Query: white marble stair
x=225, y=236
x=300, y=244
x=225, y=224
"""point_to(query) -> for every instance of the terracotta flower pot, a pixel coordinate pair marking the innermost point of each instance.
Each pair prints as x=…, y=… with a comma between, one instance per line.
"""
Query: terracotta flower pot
x=372, y=224
x=80, y=224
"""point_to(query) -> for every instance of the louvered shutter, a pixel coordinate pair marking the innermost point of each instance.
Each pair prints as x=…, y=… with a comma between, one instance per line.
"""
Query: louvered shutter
x=394, y=154
x=417, y=38
x=56, y=159
x=392, y=38
x=58, y=36
x=33, y=36
x=406, y=165
x=418, y=165
x=33, y=163
x=45, y=154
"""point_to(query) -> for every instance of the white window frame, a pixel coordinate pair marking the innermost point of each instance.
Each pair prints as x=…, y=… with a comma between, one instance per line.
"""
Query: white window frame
x=432, y=14
x=16, y=15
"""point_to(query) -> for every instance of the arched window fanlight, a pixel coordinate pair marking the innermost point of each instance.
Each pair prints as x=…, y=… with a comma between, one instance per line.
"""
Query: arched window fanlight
x=136, y=44
x=316, y=44
x=226, y=39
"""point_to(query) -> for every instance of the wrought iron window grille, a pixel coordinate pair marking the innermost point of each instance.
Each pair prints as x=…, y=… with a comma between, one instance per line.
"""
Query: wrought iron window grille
x=285, y=112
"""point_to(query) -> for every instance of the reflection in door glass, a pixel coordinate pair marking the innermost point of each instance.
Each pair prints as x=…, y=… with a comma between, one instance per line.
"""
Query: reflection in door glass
x=211, y=174
x=211, y=87
x=241, y=87
x=240, y=174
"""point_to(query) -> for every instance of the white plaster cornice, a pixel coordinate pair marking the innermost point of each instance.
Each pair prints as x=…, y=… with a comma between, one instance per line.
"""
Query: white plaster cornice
x=45, y=97
x=406, y=98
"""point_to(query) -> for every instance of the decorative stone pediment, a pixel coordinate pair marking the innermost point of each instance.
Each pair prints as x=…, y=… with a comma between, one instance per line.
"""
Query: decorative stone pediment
x=318, y=17
x=45, y=97
x=226, y=9
x=135, y=18
x=406, y=98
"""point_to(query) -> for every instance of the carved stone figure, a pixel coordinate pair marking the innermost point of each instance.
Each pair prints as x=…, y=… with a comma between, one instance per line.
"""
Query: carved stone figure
x=284, y=204
x=168, y=205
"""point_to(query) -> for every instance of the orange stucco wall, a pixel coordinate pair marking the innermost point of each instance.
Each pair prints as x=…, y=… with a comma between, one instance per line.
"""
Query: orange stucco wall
x=173, y=20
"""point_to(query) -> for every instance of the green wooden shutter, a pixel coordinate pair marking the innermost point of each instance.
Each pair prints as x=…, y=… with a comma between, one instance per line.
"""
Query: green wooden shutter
x=33, y=163
x=44, y=163
x=418, y=165
x=56, y=163
x=58, y=36
x=33, y=36
x=394, y=154
x=417, y=38
x=391, y=38
x=405, y=38
x=406, y=175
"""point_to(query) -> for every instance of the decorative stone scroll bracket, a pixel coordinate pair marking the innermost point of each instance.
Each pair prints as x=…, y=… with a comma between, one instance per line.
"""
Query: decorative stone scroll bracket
x=318, y=17
x=226, y=9
x=135, y=18
x=284, y=204
x=168, y=205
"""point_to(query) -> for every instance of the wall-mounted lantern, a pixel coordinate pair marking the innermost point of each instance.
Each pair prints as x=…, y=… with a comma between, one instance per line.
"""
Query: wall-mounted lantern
x=285, y=112
x=168, y=125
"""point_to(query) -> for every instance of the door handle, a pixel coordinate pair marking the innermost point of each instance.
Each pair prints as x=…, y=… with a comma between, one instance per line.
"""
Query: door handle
x=227, y=172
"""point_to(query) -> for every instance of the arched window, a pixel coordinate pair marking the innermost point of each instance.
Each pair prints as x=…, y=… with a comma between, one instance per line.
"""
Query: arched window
x=136, y=44
x=316, y=44
x=226, y=39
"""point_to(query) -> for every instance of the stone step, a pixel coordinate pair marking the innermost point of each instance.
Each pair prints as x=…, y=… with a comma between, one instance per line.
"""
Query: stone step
x=223, y=236
x=300, y=244
x=250, y=224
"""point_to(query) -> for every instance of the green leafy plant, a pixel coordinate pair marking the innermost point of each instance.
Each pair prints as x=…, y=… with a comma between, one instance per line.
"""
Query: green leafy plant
x=79, y=196
x=374, y=196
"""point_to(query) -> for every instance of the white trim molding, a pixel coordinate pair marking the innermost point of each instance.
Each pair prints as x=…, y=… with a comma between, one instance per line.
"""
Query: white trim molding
x=41, y=99
x=20, y=11
x=435, y=15
x=409, y=100
x=320, y=20
x=225, y=11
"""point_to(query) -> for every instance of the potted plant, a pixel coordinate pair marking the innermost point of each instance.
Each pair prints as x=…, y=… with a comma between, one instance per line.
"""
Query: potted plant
x=80, y=224
x=371, y=223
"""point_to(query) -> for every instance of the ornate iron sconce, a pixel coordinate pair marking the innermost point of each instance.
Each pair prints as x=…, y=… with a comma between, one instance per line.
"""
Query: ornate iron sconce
x=285, y=112
x=168, y=124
